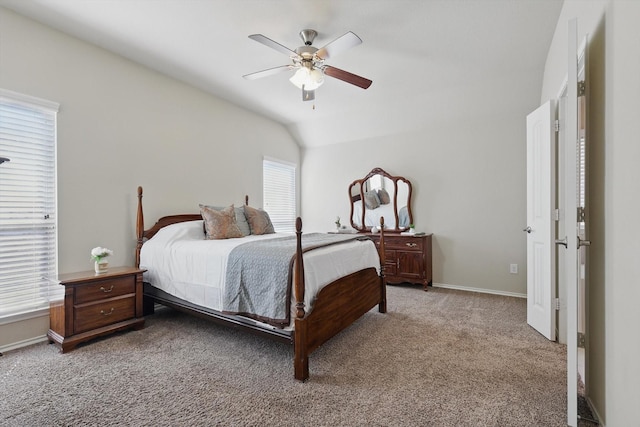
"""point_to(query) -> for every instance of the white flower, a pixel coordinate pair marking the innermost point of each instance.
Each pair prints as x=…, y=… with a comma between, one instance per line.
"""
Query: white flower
x=98, y=253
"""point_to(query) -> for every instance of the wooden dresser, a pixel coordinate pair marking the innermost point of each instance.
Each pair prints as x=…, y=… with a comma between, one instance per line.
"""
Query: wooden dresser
x=407, y=258
x=95, y=305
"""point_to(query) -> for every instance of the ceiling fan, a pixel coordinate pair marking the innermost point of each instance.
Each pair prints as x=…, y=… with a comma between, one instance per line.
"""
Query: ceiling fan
x=308, y=62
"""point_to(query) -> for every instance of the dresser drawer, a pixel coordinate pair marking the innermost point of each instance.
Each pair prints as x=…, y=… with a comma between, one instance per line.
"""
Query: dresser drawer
x=96, y=315
x=105, y=289
x=405, y=244
x=390, y=263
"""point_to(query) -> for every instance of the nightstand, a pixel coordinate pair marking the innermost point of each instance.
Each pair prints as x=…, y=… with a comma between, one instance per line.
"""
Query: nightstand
x=407, y=258
x=96, y=304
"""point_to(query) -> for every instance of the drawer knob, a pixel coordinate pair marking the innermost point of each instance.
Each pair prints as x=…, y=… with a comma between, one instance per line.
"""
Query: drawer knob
x=411, y=245
x=106, y=290
x=107, y=313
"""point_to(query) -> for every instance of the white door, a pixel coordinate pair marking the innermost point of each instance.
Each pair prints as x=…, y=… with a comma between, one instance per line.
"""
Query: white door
x=582, y=200
x=541, y=195
x=575, y=175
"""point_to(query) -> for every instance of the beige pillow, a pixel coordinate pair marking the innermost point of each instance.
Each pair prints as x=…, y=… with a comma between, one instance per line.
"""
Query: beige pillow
x=220, y=224
x=259, y=221
x=241, y=220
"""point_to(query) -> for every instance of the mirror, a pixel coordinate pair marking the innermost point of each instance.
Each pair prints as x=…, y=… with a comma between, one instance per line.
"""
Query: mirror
x=380, y=195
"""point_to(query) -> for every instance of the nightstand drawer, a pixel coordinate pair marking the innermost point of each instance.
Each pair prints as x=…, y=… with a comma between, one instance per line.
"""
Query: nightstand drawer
x=105, y=289
x=92, y=316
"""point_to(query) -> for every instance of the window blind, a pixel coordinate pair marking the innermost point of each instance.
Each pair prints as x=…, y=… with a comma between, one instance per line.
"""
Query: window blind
x=279, y=193
x=28, y=237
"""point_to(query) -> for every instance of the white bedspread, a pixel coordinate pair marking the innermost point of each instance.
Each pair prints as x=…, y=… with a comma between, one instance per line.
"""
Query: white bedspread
x=182, y=263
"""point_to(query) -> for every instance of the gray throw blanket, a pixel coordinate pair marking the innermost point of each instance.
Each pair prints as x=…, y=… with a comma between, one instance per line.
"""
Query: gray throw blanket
x=259, y=276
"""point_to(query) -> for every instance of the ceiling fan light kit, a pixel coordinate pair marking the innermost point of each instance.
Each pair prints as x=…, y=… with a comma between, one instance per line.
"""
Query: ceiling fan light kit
x=308, y=62
x=311, y=79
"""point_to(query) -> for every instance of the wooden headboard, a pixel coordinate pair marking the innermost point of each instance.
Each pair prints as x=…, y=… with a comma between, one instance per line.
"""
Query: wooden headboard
x=142, y=234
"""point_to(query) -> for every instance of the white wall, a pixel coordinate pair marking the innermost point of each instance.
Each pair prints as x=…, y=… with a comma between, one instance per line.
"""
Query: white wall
x=469, y=182
x=613, y=128
x=622, y=204
x=121, y=125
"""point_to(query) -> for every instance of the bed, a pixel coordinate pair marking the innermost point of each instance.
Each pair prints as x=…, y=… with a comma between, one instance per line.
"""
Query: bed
x=320, y=303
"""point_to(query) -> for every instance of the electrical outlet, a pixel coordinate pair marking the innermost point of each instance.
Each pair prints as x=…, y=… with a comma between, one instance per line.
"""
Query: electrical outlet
x=513, y=268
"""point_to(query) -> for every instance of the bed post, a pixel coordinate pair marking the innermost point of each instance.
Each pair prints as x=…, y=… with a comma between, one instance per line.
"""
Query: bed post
x=139, y=227
x=382, y=306
x=364, y=224
x=300, y=358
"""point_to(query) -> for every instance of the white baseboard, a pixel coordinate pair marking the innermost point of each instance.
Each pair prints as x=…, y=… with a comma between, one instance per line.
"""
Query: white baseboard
x=481, y=290
x=595, y=412
x=24, y=343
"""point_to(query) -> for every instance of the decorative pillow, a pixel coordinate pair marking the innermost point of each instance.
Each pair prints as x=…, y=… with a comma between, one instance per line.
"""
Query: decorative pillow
x=383, y=196
x=371, y=200
x=259, y=220
x=220, y=224
x=241, y=220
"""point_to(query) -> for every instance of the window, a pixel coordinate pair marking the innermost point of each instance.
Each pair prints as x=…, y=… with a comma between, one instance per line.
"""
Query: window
x=28, y=236
x=279, y=193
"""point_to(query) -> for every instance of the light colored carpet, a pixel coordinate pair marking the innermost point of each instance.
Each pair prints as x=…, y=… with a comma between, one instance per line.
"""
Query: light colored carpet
x=437, y=358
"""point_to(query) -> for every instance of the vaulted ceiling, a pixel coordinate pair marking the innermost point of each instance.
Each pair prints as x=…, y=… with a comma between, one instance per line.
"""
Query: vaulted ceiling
x=430, y=60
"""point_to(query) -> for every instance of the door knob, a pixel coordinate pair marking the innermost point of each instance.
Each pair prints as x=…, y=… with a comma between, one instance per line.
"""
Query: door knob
x=562, y=242
x=528, y=229
x=583, y=242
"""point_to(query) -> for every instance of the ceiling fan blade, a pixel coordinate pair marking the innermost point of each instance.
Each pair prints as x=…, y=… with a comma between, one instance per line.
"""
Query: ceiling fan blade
x=342, y=43
x=346, y=76
x=268, y=72
x=272, y=44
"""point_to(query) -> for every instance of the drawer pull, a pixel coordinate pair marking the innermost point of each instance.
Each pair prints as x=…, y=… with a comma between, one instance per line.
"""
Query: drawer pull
x=411, y=245
x=107, y=313
x=106, y=291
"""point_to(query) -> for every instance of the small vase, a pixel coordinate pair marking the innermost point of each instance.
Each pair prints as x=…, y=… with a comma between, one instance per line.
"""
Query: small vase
x=101, y=266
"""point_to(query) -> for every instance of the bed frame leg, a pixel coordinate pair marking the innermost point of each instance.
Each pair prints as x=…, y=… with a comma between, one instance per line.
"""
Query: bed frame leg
x=300, y=358
x=148, y=306
x=382, y=306
x=301, y=366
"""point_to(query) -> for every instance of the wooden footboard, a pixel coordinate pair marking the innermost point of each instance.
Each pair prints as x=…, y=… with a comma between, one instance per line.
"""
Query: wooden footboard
x=336, y=306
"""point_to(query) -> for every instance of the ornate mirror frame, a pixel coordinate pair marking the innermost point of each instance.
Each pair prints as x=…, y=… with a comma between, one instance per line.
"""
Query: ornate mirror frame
x=360, y=187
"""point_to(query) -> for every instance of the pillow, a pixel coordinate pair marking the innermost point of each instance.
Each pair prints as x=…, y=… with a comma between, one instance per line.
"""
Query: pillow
x=383, y=196
x=259, y=221
x=241, y=220
x=371, y=200
x=220, y=224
